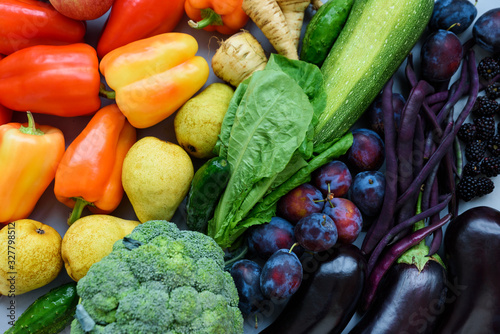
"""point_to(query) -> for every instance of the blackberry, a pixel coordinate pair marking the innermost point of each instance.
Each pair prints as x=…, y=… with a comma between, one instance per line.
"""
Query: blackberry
x=484, y=186
x=488, y=68
x=493, y=91
x=493, y=145
x=467, y=188
x=485, y=107
x=485, y=127
x=475, y=150
x=490, y=166
x=472, y=168
x=467, y=132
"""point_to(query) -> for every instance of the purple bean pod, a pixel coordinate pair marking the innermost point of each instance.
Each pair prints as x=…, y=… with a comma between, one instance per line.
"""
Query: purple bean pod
x=437, y=236
x=411, y=76
x=435, y=159
x=392, y=255
x=459, y=91
x=473, y=91
x=404, y=145
x=401, y=227
x=385, y=219
x=438, y=97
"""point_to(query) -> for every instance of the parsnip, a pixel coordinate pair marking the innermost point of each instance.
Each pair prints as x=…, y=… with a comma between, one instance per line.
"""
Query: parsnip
x=238, y=57
x=267, y=15
x=293, y=10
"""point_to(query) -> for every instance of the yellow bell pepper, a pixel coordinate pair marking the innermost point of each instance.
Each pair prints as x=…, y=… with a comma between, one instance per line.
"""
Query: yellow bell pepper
x=29, y=156
x=153, y=77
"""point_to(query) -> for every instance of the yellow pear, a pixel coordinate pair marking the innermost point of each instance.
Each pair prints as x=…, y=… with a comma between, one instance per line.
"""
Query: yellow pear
x=91, y=238
x=30, y=256
x=156, y=176
x=198, y=122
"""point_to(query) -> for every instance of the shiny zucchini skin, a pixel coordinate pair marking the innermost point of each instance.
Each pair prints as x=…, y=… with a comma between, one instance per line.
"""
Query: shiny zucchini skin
x=206, y=187
x=323, y=29
x=376, y=38
x=50, y=313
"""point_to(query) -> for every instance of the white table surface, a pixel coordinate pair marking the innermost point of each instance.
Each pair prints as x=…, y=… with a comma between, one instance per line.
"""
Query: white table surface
x=51, y=212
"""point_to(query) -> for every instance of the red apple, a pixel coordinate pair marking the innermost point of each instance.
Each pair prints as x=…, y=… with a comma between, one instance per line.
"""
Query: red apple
x=82, y=9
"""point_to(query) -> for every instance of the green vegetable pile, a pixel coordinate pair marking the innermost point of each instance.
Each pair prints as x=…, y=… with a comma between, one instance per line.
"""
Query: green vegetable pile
x=267, y=139
x=159, y=279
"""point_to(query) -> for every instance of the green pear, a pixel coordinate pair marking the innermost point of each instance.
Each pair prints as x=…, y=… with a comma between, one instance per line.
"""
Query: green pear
x=198, y=122
x=91, y=238
x=156, y=176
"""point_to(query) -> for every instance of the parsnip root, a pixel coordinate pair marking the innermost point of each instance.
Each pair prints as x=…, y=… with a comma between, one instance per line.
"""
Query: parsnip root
x=293, y=10
x=267, y=15
x=238, y=57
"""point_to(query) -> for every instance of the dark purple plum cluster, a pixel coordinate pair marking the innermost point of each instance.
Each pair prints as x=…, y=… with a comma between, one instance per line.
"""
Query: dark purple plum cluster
x=312, y=217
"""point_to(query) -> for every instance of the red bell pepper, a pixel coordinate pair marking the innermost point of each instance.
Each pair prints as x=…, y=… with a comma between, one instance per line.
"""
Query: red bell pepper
x=25, y=23
x=5, y=115
x=131, y=20
x=58, y=80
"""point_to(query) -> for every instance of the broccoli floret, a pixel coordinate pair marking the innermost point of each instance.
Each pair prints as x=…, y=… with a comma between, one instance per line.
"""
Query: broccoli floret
x=160, y=279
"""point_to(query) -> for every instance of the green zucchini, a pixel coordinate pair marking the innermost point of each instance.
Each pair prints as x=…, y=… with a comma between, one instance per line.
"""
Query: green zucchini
x=323, y=29
x=376, y=38
x=50, y=313
x=206, y=187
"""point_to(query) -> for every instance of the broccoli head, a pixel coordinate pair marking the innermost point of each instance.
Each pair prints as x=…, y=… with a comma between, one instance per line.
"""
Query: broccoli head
x=159, y=279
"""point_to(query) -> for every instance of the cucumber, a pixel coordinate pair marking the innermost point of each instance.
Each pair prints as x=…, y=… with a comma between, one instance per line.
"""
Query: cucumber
x=50, y=313
x=206, y=187
x=323, y=29
x=376, y=38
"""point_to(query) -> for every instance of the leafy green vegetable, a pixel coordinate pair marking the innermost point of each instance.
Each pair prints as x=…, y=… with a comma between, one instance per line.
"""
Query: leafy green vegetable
x=270, y=124
x=267, y=138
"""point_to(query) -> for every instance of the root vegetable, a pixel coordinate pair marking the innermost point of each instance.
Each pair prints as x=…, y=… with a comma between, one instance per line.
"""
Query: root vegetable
x=268, y=16
x=293, y=10
x=238, y=57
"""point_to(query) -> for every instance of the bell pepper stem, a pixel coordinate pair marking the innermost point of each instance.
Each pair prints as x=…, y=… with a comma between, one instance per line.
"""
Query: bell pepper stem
x=31, y=128
x=209, y=17
x=109, y=94
x=80, y=204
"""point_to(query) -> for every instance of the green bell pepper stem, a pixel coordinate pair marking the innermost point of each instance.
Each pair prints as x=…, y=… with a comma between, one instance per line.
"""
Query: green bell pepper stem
x=109, y=94
x=80, y=204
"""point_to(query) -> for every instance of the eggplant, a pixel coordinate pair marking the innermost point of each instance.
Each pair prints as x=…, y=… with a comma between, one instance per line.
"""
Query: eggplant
x=472, y=250
x=408, y=300
x=328, y=296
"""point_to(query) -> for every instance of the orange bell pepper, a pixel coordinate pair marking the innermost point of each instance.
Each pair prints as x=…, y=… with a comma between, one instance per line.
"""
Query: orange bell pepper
x=224, y=16
x=153, y=77
x=131, y=20
x=89, y=173
x=29, y=155
x=59, y=80
x=25, y=23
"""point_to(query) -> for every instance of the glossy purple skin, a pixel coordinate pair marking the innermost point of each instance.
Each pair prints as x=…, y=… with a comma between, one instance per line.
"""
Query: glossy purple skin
x=316, y=232
x=486, y=30
x=367, y=192
x=367, y=151
x=333, y=177
x=347, y=218
x=264, y=240
x=472, y=250
x=300, y=202
x=375, y=113
x=246, y=276
x=441, y=55
x=449, y=12
x=281, y=275
x=328, y=296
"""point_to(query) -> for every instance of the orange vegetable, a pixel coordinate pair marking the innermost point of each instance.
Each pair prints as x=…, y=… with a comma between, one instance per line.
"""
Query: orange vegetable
x=153, y=77
x=29, y=155
x=90, y=170
x=224, y=16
